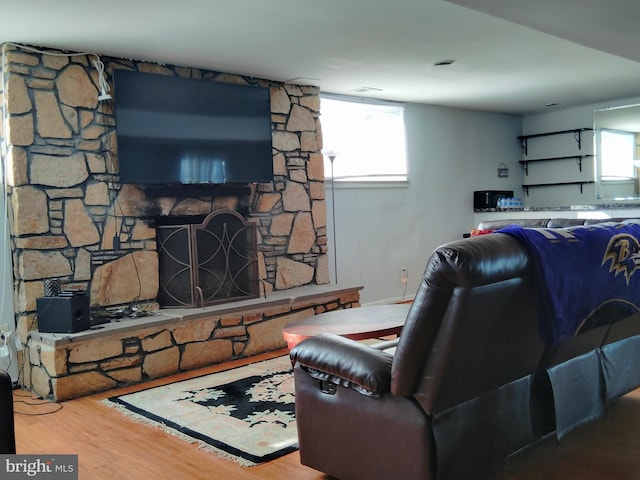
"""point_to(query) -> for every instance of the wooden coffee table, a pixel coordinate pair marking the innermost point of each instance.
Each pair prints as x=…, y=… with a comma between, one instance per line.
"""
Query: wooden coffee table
x=356, y=323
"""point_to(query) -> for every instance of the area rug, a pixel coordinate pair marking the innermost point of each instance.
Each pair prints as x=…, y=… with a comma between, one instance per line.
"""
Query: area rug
x=246, y=414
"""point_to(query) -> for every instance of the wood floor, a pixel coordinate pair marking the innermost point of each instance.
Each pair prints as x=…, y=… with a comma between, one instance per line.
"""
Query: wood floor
x=110, y=446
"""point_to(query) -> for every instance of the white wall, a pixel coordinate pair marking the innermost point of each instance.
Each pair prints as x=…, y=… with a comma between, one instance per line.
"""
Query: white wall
x=6, y=276
x=451, y=153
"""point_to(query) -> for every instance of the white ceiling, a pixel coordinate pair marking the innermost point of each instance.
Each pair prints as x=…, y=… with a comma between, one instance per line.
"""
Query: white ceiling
x=544, y=51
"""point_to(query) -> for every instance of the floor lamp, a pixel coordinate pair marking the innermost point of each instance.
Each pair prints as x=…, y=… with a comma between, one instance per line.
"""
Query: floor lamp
x=331, y=155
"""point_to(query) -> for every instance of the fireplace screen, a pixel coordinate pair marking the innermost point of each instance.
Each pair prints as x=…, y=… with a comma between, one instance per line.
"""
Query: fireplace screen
x=208, y=263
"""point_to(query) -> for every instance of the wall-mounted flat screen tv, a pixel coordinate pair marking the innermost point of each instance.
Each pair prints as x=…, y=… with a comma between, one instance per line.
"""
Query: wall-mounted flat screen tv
x=174, y=130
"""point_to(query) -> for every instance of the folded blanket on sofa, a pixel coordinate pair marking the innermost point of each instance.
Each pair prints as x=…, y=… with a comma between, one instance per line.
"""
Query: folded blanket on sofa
x=586, y=275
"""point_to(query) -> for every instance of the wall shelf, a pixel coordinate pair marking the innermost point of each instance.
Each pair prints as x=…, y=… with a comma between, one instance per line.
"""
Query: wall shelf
x=533, y=185
x=578, y=158
x=577, y=134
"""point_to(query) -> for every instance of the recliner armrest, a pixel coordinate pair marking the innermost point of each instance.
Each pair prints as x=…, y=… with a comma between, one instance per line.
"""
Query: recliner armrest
x=345, y=362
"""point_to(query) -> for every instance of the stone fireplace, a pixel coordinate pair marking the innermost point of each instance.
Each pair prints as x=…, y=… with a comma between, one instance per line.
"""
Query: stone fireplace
x=70, y=219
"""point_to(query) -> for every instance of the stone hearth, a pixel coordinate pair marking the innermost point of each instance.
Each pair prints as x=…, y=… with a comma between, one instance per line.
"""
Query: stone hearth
x=65, y=366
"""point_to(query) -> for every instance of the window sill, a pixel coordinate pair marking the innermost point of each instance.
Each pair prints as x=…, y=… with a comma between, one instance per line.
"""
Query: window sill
x=344, y=184
x=611, y=181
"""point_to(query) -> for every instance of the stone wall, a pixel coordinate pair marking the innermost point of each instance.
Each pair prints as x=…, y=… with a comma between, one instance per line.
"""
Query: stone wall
x=66, y=204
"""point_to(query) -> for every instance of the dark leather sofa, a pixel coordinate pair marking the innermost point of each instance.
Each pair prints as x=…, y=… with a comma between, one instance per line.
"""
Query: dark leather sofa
x=470, y=381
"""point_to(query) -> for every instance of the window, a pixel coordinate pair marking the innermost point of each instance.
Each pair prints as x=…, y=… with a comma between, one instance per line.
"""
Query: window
x=617, y=150
x=368, y=138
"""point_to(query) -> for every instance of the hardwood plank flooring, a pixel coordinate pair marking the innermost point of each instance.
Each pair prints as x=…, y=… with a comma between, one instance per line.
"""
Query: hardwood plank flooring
x=110, y=445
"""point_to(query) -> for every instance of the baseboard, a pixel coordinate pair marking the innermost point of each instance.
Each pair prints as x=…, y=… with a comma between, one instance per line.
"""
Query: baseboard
x=405, y=299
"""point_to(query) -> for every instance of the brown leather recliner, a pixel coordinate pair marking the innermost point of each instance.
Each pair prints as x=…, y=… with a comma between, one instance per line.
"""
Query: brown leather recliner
x=455, y=398
x=470, y=382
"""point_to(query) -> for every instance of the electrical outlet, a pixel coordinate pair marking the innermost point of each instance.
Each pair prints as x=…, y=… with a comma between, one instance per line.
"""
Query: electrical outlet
x=403, y=275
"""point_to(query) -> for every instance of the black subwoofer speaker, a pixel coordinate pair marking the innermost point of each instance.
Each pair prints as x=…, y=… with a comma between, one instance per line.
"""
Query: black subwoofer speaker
x=66, y=313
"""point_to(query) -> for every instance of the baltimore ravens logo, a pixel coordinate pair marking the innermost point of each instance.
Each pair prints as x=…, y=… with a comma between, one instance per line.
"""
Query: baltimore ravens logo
x=624, y=252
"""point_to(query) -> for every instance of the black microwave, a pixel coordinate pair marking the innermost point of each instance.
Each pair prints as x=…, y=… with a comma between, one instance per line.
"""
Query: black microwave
x=489, y=198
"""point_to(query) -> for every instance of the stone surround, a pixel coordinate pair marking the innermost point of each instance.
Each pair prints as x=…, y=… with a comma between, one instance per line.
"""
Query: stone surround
x=65, y=366
x=66, y=204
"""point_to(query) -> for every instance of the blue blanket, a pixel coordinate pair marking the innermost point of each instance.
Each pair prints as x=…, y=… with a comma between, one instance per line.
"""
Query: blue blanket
x=587, y=275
